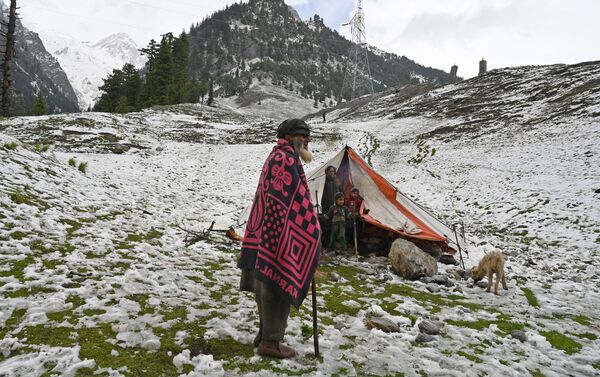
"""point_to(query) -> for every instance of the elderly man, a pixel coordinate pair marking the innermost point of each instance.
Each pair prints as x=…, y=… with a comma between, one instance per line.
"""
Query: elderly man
x=281, y=247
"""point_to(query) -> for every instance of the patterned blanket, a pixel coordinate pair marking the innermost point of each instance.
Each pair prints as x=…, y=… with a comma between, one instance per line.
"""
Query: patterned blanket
x=283, y=236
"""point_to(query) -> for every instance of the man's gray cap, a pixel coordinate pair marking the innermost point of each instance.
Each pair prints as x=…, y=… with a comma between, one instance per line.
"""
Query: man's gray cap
x=293, y=127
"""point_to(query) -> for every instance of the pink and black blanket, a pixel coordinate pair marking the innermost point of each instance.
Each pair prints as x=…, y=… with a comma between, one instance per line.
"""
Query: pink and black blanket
x=283, y=236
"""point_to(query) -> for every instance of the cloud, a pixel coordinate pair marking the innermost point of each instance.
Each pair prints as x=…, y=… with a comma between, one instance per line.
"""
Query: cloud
x=505, y=32
x=93, y=20
x=435, y=33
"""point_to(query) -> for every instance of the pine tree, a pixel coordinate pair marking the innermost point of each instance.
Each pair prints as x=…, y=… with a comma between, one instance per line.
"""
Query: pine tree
x=193, y=91
x=211, y=94
x=122, y=106
x=132, y=88
x=159, y=80
x=181, y=80
x=112, y=90
x=39, y=108
x=151, y=51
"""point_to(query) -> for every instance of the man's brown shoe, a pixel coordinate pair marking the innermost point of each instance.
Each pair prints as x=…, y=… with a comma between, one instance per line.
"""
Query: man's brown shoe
x=275, y=349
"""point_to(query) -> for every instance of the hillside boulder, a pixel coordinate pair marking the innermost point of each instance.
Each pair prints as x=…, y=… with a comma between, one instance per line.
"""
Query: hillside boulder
x=410, y=262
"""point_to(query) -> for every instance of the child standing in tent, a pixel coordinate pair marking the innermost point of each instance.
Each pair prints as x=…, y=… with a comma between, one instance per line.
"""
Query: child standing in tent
x=338, y=215
x=354, y=202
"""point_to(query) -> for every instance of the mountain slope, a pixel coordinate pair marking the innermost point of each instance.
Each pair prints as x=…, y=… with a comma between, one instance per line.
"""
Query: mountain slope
x=265, y=39
x=37, y=70
x=509, y=97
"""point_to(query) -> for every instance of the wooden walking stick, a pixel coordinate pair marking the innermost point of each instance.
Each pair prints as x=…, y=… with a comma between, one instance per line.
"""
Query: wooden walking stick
x=355, y=236
x=314, y=311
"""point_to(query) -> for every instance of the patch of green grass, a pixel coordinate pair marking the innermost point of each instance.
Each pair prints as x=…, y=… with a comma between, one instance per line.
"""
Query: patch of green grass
x=142, y=299
x=72, y=162
x=537, y=373
x=334, y=301
x=95, y=345
x=12, y=322
x=92, y=312
x=61, y=316
x=38, y=245
x=27, y=292
x=75, y=300
x=54, y=336
x=82, y=167
x=195, y=279
x=153, y=234
x=587, y=335
x=121, y=265
x=227, y=348
x=134, y=238
x=562, y=342
x=473, y=358
x=40, y=147
x=178, y=312
x=74, y=226
x=121, y=245
x=503, y=322
x=531, y=299
x=222, y=294
x=582, y=320
x=50, y=264
x=18, y=268
x=596, y=365
x=65, y=249
x=18, y=235
x=20, y=197
x=109, y=216
x=10, y=146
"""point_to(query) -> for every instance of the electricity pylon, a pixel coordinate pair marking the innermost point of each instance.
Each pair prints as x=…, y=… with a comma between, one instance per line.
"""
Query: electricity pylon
x=357, y=79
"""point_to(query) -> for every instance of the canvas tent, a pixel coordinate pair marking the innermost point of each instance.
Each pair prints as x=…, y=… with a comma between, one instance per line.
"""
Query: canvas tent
x=389, y=209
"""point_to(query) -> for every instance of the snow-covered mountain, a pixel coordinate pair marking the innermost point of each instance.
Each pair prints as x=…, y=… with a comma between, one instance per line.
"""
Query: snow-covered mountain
x=87, y=63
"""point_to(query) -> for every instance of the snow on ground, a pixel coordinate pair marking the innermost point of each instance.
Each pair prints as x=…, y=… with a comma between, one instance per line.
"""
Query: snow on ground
x=271, y=101
x=95, y=277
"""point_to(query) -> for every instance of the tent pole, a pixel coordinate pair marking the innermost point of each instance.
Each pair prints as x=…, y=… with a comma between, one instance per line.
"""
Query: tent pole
x=462, y=262
x=317, y=200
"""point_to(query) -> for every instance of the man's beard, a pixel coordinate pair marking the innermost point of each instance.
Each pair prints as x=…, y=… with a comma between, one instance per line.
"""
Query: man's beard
x=303, y=151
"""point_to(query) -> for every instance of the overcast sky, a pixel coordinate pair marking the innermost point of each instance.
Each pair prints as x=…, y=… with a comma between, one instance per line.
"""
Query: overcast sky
x=435, y=33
